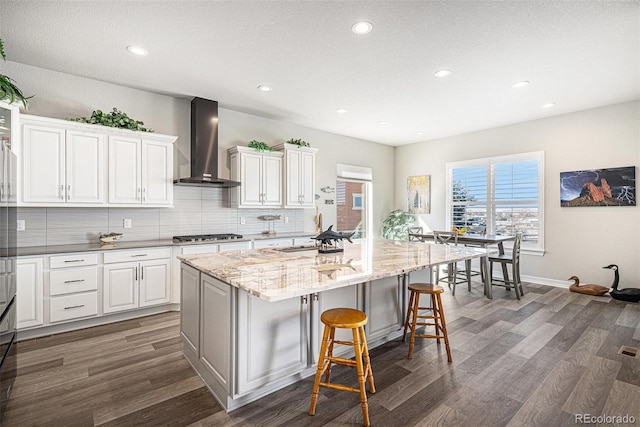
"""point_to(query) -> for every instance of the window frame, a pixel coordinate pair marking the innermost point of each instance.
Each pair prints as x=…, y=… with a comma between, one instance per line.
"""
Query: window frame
x=490, y=203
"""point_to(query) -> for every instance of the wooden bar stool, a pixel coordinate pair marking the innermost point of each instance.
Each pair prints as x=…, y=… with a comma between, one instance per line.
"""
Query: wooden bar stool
x=437, y=315
x=345, y=318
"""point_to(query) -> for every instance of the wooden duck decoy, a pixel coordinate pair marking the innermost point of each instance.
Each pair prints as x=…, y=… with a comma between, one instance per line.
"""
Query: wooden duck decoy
x=595, y=290
x=627, y=294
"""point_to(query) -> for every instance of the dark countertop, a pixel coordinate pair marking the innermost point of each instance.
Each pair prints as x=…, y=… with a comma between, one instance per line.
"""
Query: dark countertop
x=123, y=244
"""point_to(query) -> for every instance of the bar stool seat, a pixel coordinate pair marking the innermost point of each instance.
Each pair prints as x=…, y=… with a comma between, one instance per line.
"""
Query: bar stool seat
x=436, y=318
x=344, y=318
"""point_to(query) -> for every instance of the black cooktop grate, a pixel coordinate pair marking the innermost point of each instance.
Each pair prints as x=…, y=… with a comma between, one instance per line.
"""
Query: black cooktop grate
x=206, y=237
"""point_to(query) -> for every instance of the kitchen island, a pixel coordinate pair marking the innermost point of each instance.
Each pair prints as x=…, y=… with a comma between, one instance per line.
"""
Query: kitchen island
x=250, y=319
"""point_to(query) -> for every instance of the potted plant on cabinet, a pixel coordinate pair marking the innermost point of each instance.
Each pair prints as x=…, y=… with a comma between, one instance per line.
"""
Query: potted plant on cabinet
x=8, y=90
x=396, y=225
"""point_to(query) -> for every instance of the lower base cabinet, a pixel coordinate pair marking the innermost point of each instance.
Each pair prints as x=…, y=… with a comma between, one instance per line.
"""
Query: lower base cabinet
x=383, y=302
x=30, y=292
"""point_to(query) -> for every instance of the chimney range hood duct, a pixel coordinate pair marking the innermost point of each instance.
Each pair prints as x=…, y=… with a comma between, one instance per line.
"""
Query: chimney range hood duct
x=204, y=147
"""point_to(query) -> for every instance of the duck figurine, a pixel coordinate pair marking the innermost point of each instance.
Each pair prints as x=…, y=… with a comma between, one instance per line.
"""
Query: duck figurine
x=627, y=294
x=595, y=290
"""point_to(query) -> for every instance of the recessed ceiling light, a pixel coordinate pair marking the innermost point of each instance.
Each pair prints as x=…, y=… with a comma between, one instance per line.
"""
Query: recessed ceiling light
x=341, y=111
x=362, y=27
x=520, y=84
x=548, y=105
x=419, y=133
x=137, y=50
x=442, y=73
x=382, y=122
x=265, y=88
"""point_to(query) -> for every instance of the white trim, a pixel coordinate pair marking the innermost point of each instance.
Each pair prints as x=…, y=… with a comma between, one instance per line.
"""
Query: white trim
x=545, y=281
x=354, y=172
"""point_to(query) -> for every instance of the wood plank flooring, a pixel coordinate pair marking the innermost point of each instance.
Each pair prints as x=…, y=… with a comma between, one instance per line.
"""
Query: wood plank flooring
x=534, y=362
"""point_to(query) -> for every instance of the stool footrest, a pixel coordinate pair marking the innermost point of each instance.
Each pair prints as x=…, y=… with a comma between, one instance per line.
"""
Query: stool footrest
x=342, y=361
x=340, y=387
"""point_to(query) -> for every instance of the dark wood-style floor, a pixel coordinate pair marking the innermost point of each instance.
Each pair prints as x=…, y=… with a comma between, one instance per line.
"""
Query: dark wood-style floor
x=538, y=362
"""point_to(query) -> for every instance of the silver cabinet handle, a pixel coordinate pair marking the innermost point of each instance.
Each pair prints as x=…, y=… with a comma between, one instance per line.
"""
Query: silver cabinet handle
x=74, y=260
x=61, y=192
x=74, y=307
x=68, y=192
x=138, y=195
x=141, y=273
x=144, y=194
x=74, y=281
x=138, y=255
x=136, y=273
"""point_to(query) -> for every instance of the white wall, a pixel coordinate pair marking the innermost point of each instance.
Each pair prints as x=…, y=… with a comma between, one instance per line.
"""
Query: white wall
x=578, y=241
x=62, y=95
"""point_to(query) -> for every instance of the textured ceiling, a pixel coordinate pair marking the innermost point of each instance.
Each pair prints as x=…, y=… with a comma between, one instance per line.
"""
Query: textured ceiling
x=577, y=54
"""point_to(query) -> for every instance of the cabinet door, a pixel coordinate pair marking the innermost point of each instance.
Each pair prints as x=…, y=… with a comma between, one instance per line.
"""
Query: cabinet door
x=85, y=165
x=157, y=173
x=124, y=170
x=307, y=179
x=154, y=282
x=120, y=290
x=384, y=307
x=294, y=190
x=43, y=157
x=272, y=181
x=251, y=178
x=30, y=293
x=190, y=308
x=272, y=340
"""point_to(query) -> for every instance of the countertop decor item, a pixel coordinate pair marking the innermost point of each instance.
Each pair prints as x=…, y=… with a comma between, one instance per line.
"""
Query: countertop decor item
x=332, y=241
x=270, y=218
x=595, y=290
x=114, y=119
x=259, y=145
x=8, y=90
x=109, y=238
x=396, y=225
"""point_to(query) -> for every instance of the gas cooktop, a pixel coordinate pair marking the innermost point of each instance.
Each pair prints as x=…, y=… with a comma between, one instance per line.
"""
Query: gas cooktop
x=206, y=237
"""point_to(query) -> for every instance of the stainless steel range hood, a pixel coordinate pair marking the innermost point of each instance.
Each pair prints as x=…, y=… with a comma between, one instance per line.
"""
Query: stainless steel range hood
x=204, y=147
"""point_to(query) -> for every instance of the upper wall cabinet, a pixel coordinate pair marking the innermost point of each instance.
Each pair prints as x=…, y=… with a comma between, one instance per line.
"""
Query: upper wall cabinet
x=140, y=171
x=260, y=175
x=76, y=164
x=299, y=175
x=61, y=166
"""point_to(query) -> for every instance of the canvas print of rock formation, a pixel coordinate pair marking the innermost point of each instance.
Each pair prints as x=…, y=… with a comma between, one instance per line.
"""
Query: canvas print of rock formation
x=599, y=187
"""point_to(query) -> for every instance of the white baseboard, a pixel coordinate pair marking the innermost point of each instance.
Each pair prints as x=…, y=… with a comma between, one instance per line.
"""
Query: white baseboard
x=546, y=281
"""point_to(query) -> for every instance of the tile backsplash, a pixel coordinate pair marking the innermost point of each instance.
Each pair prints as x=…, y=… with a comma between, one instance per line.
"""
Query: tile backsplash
x=197, y=210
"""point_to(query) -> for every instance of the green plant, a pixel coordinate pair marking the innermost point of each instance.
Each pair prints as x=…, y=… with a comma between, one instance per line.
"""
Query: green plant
x=259, y=146
x=396, y=225
x=299, y=142
x=114, y=119
x=8, y=90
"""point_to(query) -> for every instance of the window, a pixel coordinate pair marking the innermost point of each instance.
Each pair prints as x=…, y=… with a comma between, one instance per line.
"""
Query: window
x=353, y=200
x=503, y=194
x=357, y=202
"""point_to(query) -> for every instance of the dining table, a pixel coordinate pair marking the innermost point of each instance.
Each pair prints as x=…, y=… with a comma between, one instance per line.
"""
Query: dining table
x=478, y=240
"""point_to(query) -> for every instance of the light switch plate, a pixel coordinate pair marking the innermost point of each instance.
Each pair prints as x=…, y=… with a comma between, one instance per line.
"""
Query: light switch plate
x=126, y=223
x=21, y=226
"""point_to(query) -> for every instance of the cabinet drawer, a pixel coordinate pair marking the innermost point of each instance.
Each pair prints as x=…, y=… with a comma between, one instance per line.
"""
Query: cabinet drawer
x=69, y=307
x=73, y=260
x=199, y=249
x=304, y=241
x=70, y=280
x=272, y=243
x=235, y=246
x=136, y=255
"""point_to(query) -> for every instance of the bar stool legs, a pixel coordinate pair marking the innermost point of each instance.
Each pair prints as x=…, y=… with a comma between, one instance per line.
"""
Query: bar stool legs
x=355, y=320
x=436, y=317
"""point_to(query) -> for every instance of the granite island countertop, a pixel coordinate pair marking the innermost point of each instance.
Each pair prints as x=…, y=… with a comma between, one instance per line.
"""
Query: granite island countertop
x=274, y=275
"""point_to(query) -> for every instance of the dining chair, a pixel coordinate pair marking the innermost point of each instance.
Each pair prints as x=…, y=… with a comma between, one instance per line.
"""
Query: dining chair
x=453, y=274
x=512, y=259
x=414, y=230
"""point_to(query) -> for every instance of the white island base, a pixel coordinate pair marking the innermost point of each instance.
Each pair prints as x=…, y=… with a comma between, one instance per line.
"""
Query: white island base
x=244, y=347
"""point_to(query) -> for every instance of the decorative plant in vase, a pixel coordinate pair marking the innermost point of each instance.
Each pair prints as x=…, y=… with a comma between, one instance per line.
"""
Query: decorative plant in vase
x=114, y=119
x=299, y=142
x=259, y=146
x=396, y=225
x=8, y=90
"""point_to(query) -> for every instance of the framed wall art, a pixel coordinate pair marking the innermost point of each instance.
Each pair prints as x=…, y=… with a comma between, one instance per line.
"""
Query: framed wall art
x=598, y=187
x=419, y=194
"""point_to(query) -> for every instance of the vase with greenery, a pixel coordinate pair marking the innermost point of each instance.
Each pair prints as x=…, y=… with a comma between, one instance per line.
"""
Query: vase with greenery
x=114, y=119
x=8, y=90
x=299, y=142
x=259, y=146
x=396, y=225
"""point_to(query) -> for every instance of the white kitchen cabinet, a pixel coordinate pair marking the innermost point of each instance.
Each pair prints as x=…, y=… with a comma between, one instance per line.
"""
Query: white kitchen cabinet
x=30, y=292
x=299, y=175
x=131, y=284
x=383, y=305
x=61, y=166
x=260, y=175
x=190, y=308
x=73, y=286
x=272, y=340
x=140, y=171
x=272, y=243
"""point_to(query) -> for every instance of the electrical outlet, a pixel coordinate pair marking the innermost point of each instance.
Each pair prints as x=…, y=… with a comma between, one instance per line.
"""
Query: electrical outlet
x=242, y=220
x=286, y=220
x=126, y=223
x=21, y=225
